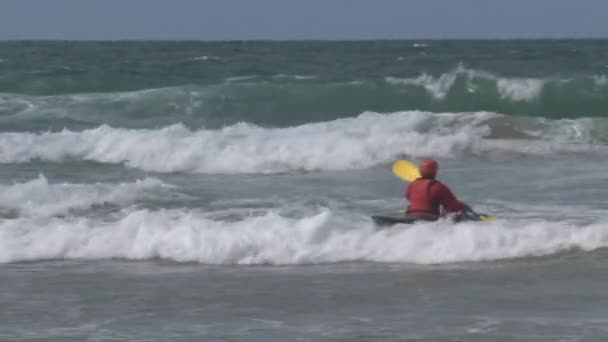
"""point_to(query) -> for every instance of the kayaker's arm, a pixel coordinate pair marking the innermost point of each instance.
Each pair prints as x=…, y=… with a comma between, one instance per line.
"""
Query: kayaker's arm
x=449, y=202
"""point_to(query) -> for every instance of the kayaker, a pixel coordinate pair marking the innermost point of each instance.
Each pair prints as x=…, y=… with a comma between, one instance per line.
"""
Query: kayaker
x=427, y=196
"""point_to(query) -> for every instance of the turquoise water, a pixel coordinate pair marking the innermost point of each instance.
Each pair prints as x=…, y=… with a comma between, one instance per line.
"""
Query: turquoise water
x=294, y=83
x=231, y=184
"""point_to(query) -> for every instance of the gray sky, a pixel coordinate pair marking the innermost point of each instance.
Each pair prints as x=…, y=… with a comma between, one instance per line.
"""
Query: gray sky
x=301, y=19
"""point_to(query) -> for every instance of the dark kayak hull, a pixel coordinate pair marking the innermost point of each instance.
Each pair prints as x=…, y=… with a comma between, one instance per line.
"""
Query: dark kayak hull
x=381, y=220
x=390, y=220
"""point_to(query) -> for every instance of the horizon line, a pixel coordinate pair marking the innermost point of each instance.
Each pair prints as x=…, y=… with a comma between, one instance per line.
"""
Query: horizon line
x=303, y=39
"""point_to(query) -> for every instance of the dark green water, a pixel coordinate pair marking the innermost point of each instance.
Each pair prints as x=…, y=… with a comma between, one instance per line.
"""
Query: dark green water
x=288, y=83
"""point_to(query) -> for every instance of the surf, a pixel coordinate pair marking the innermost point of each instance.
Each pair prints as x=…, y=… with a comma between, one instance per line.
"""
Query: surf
x=274, y=239
x=364, y=141
x=283, y=100
x=40, y=197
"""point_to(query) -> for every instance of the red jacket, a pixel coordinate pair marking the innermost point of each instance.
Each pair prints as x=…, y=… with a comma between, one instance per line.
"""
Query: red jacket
x=426, y=196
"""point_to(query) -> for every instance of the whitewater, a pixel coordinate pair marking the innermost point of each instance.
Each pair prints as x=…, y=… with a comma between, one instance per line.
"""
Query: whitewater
x=190, y=236
x=363, y=141
x=224, y=191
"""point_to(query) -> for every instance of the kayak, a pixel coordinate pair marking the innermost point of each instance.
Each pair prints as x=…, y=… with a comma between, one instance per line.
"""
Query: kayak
x=381, y=220
x=390, y=220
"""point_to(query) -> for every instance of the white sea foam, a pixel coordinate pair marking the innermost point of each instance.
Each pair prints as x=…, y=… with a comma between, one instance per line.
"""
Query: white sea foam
x=295, y=77
x=187, y=236
x=438, y=87
x=241, y=78
x=206, y=58
x=514, y=89
x=38, y=197
x=363, y=141
x=520, y=89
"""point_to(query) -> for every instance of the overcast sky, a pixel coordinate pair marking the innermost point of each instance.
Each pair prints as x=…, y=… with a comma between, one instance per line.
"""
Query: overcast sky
x=301, y=19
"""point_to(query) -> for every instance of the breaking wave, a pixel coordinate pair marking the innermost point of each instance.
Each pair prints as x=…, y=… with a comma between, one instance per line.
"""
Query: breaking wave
x=187, y=236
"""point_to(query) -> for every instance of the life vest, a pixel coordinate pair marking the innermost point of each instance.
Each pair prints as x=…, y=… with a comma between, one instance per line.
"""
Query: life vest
x=421, y=199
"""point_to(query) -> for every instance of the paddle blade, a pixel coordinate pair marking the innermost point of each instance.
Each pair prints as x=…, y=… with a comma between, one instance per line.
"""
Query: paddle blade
x=488, y=218
x=406, y=170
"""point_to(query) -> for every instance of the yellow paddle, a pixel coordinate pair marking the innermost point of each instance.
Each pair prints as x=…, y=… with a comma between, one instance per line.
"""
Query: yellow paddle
x=408, y=171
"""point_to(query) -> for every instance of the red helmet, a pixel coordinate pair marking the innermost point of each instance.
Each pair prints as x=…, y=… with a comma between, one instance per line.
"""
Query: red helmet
x=428, y=168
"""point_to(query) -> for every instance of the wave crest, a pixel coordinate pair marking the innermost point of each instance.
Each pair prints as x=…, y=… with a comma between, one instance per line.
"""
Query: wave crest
x=367, y=140
x=284, y=100
x=277, y=240
x=38, y=197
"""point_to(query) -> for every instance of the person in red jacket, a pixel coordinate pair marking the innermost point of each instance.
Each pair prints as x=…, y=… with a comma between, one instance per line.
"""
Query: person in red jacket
x=428, y=195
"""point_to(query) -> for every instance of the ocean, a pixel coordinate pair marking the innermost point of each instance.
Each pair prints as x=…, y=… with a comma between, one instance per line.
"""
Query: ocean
x=223, y=191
